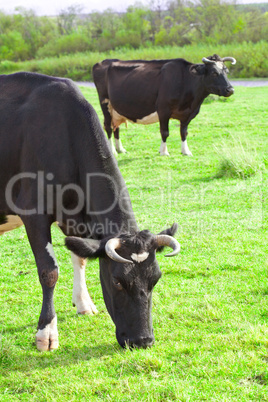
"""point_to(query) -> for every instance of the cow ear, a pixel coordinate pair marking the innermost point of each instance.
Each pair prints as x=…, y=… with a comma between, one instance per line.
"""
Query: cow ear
x=197, y=69
x=170, y=232
x=85, y=248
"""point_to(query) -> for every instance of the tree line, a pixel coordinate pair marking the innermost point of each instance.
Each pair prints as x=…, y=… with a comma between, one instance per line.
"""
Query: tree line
x=25, y=36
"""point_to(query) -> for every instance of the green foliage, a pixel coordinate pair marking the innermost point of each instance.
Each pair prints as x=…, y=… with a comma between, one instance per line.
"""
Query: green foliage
x=23, y=33
x=13, y=47
x=73, y=43
x=67, y=19
x=170, y=23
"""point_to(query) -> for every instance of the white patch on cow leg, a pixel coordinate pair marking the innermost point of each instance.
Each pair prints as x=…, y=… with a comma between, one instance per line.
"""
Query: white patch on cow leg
x=112, y=146
x=140, y=257
x=50, y=251
x=163, y=149
x=184, y=149
x=119, y=147
x=48, y=338
x=81, y=298
x=13, y=222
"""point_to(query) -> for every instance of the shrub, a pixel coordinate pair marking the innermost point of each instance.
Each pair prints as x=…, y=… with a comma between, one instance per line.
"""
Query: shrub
x=73, y=43
x=13, y=47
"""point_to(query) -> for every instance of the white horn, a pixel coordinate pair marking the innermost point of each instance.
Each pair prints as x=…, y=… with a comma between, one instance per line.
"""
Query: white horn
x=169, y=241
x=207, y=61
x=110, y=248
x=229, y=59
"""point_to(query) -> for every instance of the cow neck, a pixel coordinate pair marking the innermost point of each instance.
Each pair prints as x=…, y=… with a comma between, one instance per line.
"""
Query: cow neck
x=120, y=219
x=109, y=188
x=199, y=90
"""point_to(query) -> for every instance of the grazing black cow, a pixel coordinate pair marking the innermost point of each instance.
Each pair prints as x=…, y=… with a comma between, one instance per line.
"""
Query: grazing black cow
x=145, y=92
x=56, y=165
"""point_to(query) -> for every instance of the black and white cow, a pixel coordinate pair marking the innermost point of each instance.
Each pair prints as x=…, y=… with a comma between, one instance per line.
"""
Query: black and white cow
x=56, y=165
x=146, y=92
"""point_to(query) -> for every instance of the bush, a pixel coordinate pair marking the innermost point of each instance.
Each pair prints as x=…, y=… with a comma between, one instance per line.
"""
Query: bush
x=13, y=47
x=73, y=43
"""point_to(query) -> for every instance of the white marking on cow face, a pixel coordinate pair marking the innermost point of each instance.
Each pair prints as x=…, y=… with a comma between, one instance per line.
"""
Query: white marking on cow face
x=50, y=251
x=13, y=222
x=163, y=149
x=184, y=149
x=140, y=257
x=150, y=119
x=119, y=147
x=220, y=64
x=81, y=298
x=47, y=338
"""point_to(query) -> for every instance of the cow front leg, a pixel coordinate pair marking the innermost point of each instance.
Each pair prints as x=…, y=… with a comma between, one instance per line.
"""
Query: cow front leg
x=164, y=130
x=81, y=298
x=118, y=144
x=184, y=147
x=38, y=231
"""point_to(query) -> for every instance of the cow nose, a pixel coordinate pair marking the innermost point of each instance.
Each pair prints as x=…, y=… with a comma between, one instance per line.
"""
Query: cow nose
x=144, y=343
x=230, y=91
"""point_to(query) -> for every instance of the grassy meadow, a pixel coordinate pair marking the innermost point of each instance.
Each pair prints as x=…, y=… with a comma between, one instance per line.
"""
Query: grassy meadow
x=210, y=308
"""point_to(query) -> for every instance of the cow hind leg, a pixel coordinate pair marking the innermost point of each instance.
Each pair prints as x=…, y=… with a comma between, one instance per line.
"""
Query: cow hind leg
x=184, y=147
x=164, y=130
x=118, y=144
x=38, y=231
x=81, y=298
x=108, y=125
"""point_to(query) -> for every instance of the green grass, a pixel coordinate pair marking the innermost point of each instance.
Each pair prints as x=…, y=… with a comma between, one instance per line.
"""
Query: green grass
x=210, y=308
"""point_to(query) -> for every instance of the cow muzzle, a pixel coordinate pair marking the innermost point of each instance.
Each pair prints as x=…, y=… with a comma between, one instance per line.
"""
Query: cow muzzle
x=229, y=91
x=141, y=342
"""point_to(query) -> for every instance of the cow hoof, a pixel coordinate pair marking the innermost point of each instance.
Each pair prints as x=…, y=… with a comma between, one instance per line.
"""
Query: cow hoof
x=47, y=345
x=87, y=312
x=119, y=147
x=91, y=310
x=121, y=151
x=163, y=149
x=88, y=308
x=47, y=338
x=184, y=149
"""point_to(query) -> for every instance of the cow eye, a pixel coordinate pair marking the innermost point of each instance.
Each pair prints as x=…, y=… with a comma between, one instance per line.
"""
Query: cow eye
x=215, y=73
x=118, y=285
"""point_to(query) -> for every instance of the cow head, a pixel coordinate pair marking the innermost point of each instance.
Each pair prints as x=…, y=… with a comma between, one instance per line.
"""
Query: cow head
x=214, y=73
x=128, y=272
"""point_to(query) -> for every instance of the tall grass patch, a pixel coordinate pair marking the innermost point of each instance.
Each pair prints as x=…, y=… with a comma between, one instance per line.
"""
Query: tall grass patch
x=237, y=160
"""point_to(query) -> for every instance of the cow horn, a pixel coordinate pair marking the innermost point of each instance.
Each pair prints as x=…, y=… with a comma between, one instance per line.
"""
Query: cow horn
x=229, y=59
x=165, y=240
x=207, y=61
x=110, y=248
